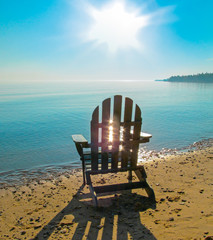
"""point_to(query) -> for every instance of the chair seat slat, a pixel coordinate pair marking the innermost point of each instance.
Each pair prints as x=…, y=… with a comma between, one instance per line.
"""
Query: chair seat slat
x=120, y=187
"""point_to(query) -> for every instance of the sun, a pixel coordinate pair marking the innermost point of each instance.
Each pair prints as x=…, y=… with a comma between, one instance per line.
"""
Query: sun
x=116, y=26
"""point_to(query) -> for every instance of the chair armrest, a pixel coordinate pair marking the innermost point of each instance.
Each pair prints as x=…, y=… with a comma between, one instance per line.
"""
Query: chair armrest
x=144, y=137
x=80, y=143
x=79, y=139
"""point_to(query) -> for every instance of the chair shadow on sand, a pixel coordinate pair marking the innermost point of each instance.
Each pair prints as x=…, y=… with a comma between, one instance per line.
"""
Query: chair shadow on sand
x=81, y=220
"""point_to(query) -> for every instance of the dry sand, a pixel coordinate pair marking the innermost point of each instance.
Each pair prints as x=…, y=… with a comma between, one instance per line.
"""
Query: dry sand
x=61, y=208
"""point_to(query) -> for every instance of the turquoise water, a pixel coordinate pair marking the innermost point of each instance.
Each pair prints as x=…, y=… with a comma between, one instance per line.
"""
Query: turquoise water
x=37, y=120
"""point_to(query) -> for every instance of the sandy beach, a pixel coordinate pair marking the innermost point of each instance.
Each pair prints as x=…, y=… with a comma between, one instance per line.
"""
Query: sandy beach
x=62, y=208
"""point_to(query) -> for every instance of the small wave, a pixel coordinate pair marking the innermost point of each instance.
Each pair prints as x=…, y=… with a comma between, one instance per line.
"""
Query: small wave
x=145, y=155
x=25, y=177
x=50, y=172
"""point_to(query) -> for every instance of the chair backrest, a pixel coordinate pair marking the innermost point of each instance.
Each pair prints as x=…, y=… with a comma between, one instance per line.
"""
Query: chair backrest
x=115, y=134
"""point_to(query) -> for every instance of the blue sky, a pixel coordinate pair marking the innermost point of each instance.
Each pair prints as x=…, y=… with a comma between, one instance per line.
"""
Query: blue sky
x=55, y=40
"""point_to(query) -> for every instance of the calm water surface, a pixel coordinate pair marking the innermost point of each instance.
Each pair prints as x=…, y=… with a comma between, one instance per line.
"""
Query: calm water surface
x=37, y=120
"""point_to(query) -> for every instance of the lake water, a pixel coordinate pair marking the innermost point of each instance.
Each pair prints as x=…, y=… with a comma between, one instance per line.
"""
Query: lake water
x=37, y=120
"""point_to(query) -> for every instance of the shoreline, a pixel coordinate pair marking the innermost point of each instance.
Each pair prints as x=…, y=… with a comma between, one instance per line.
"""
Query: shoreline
x=22, y=177
x=60, y=208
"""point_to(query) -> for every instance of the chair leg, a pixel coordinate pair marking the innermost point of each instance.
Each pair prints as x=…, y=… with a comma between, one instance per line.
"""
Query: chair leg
x=141, y=174
x=94, y=197
x=91, y=189
x=83, y=172
x=130, y=175
x=150, y=193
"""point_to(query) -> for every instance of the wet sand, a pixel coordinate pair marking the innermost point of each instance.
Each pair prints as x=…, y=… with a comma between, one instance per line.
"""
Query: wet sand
x=61, y=209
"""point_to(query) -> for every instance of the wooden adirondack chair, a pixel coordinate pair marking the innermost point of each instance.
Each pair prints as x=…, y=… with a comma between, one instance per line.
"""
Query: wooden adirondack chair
x=114, y=146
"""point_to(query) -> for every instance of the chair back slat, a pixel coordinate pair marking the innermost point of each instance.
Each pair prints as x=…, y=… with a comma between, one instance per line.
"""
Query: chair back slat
x=116, y=130
x=126, y=132
x=94, y=139
x=105, y=133
x=136, y=136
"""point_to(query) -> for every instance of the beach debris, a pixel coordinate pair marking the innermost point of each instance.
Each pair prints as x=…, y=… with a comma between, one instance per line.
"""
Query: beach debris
x=63, y=231
x=177, y=210
x=180, y=192
x=100, y=226
x=157, y=221
x=201, y=191
x=23, y=232
x=102, y=181
x=167, y=190
x=174, y=199
x=167, y=225
x=38, y=226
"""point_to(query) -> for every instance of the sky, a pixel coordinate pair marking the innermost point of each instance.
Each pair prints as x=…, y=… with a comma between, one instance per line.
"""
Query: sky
x=65, y=40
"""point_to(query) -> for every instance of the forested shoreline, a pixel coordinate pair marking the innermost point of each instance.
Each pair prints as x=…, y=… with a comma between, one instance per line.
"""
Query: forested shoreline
x=200, y=78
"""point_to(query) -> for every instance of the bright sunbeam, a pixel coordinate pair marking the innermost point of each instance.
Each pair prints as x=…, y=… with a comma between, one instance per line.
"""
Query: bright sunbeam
x=110, y=133
x=116, y=26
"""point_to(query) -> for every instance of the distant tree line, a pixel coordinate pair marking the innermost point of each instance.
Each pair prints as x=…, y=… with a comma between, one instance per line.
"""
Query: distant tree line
x=200, y=78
